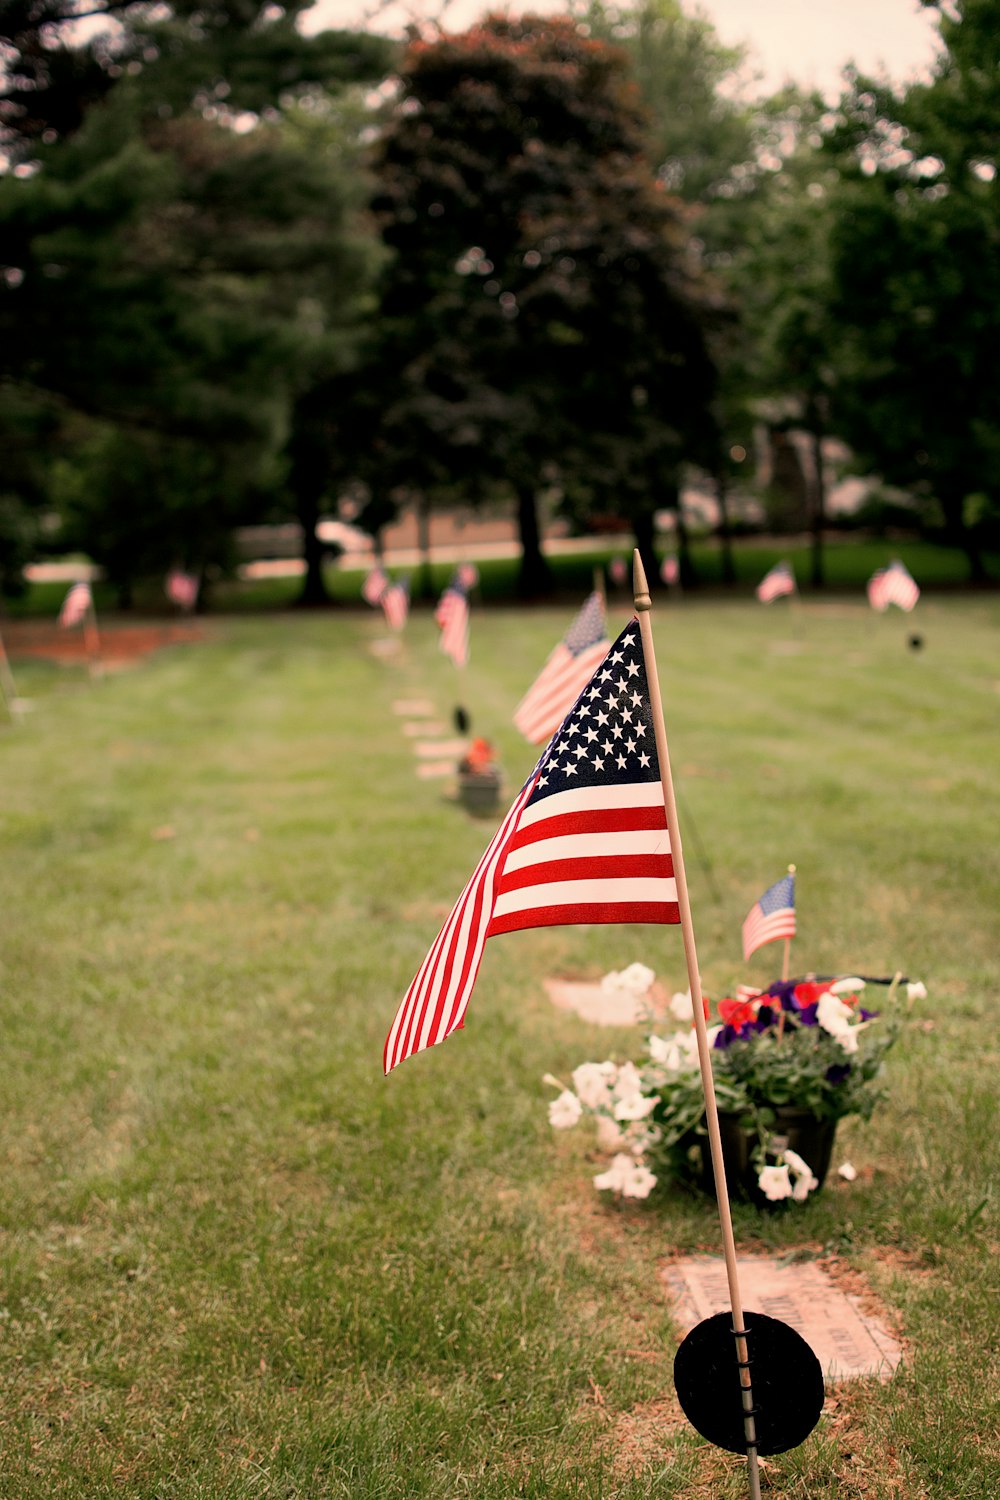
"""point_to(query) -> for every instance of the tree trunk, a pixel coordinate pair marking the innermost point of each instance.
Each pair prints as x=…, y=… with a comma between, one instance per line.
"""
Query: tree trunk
x=535, y=577
x=671, y=492
x=725, y=540
x=958, y=533
x=644, y=532
x=308, y=474
x=425, y=586
x=818, y=508
x=313, y=583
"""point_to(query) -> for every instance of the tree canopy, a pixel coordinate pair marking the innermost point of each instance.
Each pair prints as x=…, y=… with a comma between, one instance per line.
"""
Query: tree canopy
x=543, y=317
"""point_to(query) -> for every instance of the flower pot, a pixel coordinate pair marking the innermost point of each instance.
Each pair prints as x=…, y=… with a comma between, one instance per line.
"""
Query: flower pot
x=796, y=1129
x=479, y=791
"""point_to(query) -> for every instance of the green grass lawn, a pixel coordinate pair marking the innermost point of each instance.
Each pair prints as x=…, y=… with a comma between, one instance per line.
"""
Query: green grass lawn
x=235, y=1261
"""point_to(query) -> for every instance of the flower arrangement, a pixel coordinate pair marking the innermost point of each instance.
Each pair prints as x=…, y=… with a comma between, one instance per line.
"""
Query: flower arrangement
x=807, y=1046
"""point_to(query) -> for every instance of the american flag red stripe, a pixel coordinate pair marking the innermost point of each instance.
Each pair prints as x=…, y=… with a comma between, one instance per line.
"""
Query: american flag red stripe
x=585, y=841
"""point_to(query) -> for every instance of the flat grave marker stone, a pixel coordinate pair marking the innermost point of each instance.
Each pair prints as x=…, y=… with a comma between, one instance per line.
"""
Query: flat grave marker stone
x=431, y=749
x=414, y=728
x=604, y=1007
x=847, y=1340
x=427, y=770
x=413, y=708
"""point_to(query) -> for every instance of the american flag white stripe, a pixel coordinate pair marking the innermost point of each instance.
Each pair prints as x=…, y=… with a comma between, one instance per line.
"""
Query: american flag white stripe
x=587, y=846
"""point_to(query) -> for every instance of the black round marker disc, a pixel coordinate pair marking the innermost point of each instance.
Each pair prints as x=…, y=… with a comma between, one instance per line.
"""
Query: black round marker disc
x=786, y=1383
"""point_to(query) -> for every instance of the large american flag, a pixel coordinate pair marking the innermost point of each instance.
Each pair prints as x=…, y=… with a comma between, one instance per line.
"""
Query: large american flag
x=75, y=605
x=568, y=668
x=452, y=615
x=892, y=585
x=780, y=580
x=586, y=840
x=772, y=917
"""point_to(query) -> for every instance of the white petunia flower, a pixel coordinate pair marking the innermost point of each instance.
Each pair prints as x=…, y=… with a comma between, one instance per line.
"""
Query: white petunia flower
x=847, y=1171
x=838, y=1019
x=847, y=987
x=630, y=1103
x=774, y=1183
x=916, y=990
x=593, y=1083
x=681, y=1007
x=805, y=1181
x=635, y=980
x=626, y=1176
x=565, y=1111
x=613, y=1179
x=676, y=1053
x=638, y=1183
x=635, y=1107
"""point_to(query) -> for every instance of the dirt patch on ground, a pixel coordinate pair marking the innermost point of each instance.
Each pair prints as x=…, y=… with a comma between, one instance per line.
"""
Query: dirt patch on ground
x=118, y=644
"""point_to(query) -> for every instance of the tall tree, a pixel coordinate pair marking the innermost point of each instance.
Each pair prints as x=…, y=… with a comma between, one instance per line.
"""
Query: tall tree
x=543, y=317
x=180, y=256
x=915, y=294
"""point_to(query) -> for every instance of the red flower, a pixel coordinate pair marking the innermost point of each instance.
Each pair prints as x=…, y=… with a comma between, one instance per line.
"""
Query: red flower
x=809, y=991
x=736, y=1013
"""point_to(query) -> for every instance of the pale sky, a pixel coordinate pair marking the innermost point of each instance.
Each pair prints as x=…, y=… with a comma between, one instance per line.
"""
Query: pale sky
x=808, y=41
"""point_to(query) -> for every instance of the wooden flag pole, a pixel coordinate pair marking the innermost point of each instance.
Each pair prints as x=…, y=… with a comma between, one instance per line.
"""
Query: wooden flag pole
x=642, y=608
x=599, y=585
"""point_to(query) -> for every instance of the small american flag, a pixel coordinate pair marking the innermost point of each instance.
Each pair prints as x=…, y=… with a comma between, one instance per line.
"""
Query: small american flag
x=75, y=605
x=780, y=580
x=396, y=603
x=618, y=572
x=466, y=577
x=892, y=585
x=181, y=589
x=586, y=840
x=452, y=615
x=567, y=670
x=772, y=917
x=670, y=571
x=375, y=586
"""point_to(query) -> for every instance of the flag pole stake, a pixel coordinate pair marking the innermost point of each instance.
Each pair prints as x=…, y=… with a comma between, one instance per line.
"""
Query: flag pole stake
x=642, y=609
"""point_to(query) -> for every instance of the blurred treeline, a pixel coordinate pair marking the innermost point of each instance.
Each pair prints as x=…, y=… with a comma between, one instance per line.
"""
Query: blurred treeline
x=559, y=265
